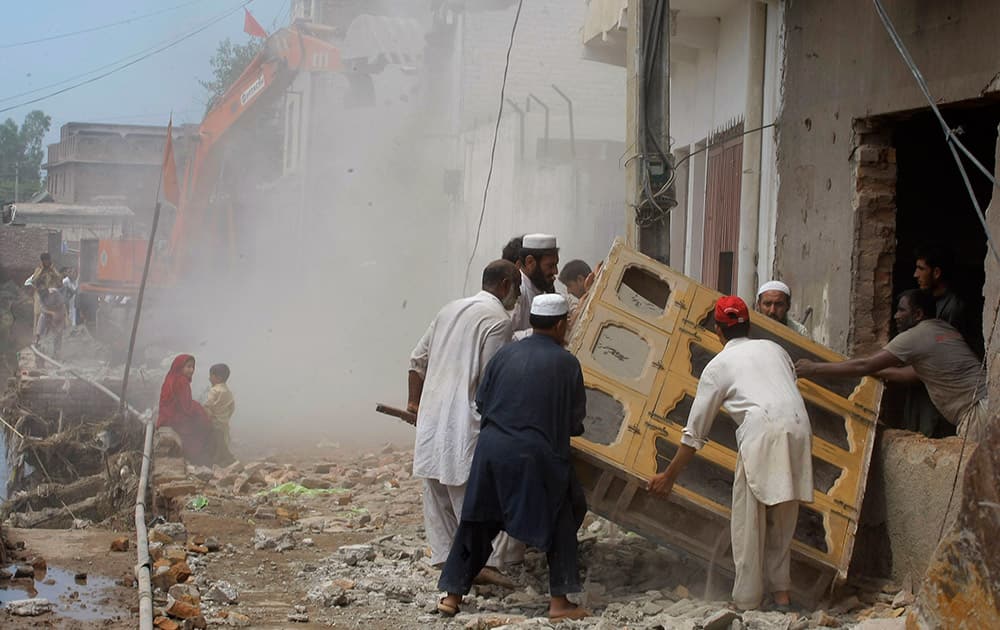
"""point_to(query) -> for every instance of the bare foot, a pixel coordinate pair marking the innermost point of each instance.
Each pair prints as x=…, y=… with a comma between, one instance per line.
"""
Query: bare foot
x=561, y=608
x=781, y=598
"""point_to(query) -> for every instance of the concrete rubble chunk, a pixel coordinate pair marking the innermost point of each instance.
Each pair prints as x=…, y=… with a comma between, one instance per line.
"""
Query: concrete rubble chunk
x=222, y=592
x=329, y=594
x=490, y=621
x=824, y=619
x=720, y=619
x=165, y=623
x=119, y=544
x=29, y=607
x=353, y=554
x=168, y=533
x=182, y=610
x=24, y=571
x=275, y=539
x=903, y=599
x=187, y=593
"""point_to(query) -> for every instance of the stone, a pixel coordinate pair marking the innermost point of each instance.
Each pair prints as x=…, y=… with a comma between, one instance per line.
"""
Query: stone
x=353, y=554
x=179, y=572
x=316, y=483
x=179, y=488
x=903, y=599
x=651, y=608
x=156, y=551
x=222, y=592
x=265, y=513
x=187, y=593
x=174, y=554
x=24, y=571
x=212, y=544
x=275, y=539
x=882, y=624
x=682, y=592
x=199, y=549
x=720, y=619
x=29, y=607
x=165, y=623
x=168, y=533
x=166, y=443
x=846, y=605
x=823, y=618
x=490, y=621
x=38, y=564
x=237, y=620
x=182, y=610
x=344, y=498
x=329, y=594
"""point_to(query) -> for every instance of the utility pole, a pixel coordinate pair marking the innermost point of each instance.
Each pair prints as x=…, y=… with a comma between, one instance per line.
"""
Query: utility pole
x=649, y=170
x=17, y=175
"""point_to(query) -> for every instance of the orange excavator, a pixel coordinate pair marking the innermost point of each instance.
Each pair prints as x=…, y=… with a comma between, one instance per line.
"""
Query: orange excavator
x=205, y=217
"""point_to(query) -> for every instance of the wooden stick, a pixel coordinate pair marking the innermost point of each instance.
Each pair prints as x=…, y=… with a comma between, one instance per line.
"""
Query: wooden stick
x=406, y=416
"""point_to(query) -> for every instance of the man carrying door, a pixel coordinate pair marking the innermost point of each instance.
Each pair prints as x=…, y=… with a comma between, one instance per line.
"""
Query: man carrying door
x=754, y=382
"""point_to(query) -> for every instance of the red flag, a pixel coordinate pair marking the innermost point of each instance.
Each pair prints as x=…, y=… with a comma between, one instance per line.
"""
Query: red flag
x=251, y=26
x=171, y=191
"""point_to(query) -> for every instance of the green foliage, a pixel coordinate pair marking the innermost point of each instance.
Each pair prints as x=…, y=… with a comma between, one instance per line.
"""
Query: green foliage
x=229, y=61
x=22, y=151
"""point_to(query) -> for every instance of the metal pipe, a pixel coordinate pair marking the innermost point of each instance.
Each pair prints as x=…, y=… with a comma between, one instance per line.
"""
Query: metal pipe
x=569, y=105
x=520, y=115
x=143, y=565
x=546, y=108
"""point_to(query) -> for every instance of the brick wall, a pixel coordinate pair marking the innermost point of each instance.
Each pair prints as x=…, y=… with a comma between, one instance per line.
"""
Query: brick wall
x=19, y=251
x=874, y=165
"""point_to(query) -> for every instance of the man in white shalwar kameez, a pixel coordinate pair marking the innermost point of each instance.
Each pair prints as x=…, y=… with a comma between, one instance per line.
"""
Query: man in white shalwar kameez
x=754, y=382
x=444, y=374
x=539, y=258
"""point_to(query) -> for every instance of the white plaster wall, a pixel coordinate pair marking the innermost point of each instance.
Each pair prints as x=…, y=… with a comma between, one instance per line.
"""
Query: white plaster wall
x=731, y=73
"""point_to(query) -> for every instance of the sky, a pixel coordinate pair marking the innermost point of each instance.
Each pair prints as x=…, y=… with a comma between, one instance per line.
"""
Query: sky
x=144, y=93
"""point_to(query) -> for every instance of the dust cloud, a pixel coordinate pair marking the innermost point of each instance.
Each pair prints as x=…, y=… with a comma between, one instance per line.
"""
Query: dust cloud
x=339, y=266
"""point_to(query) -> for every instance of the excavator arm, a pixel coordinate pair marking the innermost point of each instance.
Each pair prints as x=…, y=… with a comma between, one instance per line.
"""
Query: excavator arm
x=286, y=53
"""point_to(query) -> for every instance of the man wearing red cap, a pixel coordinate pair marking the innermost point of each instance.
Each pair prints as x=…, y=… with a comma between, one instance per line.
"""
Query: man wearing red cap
x=754, y=382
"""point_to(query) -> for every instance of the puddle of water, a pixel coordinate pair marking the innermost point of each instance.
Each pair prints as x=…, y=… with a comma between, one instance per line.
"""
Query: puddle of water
x=83, y=601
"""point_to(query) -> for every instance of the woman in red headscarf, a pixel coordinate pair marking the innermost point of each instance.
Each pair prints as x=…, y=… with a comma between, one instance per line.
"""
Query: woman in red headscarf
x=183, y=414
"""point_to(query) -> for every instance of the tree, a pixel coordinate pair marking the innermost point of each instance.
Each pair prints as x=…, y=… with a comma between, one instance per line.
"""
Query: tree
x=21, y=154
x=229, y=61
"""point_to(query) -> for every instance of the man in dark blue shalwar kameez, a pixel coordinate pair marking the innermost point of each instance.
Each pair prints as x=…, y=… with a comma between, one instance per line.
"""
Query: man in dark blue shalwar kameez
x=532, y=400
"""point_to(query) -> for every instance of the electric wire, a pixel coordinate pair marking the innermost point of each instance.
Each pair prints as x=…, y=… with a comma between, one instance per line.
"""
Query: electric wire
x=102, y=27
x=954, y=144
x=950, y=136
x=119, y=68
x=493, y=149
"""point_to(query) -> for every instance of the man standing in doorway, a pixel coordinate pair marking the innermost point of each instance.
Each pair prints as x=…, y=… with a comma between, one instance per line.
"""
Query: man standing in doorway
x=926, y=349
x=931, y=272
x=532, y=400
x=754, y=382
x=774, y=298
x=539, y=258
x=445, y=370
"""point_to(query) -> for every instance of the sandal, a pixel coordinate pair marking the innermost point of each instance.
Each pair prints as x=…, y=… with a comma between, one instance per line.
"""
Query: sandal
x=447, y=610
x=573, y=614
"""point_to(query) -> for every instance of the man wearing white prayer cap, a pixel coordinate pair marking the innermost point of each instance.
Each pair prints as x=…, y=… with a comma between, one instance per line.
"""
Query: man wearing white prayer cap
x=539, y=262
x=531, y=400
x=774, y=298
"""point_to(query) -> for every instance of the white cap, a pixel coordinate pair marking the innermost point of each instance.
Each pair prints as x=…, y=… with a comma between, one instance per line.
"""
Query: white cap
x=550, y=305
x=774, y=285
x=538, y=241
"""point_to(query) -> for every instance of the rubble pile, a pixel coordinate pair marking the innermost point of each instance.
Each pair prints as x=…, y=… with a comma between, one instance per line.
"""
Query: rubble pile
x=341, y=543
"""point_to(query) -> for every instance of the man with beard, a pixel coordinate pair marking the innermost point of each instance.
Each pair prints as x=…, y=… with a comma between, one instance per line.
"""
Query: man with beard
x=445, y=370
x=532, y=400
x=539, y=258
x=927, y=349
x=774, y=298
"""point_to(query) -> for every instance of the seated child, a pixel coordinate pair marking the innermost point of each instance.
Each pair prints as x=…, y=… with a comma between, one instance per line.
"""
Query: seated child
x=220, y=406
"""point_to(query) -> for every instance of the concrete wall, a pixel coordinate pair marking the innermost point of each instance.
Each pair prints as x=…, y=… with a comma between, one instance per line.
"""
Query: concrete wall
x=840, y=66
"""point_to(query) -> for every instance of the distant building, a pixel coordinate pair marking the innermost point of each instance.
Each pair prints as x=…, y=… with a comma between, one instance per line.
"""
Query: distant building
x=107, y=165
